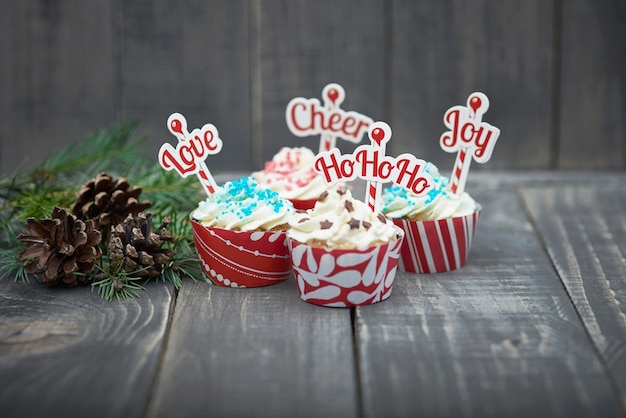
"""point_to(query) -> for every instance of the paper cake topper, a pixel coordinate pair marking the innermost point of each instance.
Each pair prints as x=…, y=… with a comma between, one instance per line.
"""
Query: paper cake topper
x=370, y=163
x=306, y=117
x=468, y=135
x=191, y=151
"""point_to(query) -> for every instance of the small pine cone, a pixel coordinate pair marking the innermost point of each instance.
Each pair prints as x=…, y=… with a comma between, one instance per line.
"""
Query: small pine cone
x=60, y=247
x=108, y=202
x=136, y=246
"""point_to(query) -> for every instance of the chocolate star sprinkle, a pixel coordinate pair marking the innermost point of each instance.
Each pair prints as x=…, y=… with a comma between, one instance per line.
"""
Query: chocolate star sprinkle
x=367, y=225
x=323, y=196
x=382, y=218
x=349, y=206
x=304, y=220
x=341, y=192
x=354, y=223
x=326, y=224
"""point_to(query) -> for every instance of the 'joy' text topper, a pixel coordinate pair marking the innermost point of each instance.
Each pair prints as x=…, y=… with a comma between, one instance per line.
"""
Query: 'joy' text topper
x=306, y=117
x=370, y=163
x=468, y=136
x=191, y=151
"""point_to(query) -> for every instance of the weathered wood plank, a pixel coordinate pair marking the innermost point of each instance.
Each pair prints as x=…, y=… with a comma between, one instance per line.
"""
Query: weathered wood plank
x=55, y=77
x=255, y=353
x=191, y=58
x=498, y=338
x=67, y=352
x=593, y=87
x=306, y=45
x=444, y=50
x=584, y=230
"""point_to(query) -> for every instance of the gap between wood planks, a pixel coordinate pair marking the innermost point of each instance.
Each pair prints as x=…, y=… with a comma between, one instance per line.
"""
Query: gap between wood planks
x=161, y=357
x=357, y=361
x=517, y=188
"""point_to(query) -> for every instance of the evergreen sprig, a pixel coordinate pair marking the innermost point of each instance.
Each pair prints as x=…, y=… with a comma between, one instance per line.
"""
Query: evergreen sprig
x=56, y=181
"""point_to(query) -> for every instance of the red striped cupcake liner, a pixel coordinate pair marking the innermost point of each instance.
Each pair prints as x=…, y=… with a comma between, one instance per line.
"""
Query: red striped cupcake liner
x=242, y=259
x=345, y=277
x=436, y=246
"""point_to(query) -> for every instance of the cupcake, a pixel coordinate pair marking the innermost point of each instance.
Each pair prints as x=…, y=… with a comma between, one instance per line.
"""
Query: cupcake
x=290, y=173
x=239, y=233
x=438, y=226
x=342, y=253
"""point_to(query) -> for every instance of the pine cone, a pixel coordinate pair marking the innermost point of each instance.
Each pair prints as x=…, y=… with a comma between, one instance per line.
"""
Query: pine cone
x=108, y=202
x=60, y=247
x=136, y=247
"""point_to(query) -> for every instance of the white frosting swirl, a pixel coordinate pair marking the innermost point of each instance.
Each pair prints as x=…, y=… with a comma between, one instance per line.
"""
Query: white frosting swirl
x=242, y=205
x=291, y=174
x=339, y=221
x=439, y=203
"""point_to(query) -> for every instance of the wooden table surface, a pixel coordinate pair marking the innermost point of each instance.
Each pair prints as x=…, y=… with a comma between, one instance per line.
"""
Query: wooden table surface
x=534, y=325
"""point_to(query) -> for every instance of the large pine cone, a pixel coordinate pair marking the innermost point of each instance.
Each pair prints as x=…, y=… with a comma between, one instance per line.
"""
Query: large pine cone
x=60, y=247
x=108, y=202
x=136, y=247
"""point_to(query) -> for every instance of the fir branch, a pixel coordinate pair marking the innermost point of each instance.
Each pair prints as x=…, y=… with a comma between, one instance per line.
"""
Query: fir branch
x=56, y=181
x=120, y=288
x=167, y=190
x=10, y=265
x=113, y=281
x=104, y=150
x=184, y=264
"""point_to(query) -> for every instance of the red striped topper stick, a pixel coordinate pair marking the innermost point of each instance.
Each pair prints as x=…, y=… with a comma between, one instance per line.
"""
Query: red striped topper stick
x=333, y=95
x=191, y=151
x=469, y=136
x=379, y=134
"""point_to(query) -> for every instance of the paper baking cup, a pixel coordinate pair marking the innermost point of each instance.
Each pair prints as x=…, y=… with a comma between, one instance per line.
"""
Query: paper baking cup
x=242, y=259
x=344, y=278
x=436, y=246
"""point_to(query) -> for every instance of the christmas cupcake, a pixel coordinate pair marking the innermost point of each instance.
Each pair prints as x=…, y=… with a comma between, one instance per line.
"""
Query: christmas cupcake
x=239, y=232
x=343, y=254
x=438, y=226
x=290, y=173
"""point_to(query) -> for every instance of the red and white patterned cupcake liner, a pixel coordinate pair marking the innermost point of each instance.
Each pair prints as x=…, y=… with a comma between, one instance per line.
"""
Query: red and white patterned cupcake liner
x=242, y=259
x=345, y=277
x=436, y=246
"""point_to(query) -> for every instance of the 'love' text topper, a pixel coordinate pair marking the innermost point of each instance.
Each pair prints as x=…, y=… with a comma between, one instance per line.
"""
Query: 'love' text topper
x=306, y=117
x=468, y=135
x=191, y=151
x=370, y=163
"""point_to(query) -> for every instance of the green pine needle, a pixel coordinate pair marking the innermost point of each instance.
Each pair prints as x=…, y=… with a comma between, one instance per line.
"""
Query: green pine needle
x=10, y=265
x=119, y=287
x=56, y=182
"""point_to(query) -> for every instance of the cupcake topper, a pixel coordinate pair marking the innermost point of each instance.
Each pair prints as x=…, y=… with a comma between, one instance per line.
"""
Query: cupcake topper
x=191, y=151
x=307, y=117
x=468, y=135
x=370, y=163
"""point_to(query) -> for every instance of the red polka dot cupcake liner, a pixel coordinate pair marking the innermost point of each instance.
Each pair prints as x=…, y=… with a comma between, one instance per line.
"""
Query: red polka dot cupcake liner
x=240, y=258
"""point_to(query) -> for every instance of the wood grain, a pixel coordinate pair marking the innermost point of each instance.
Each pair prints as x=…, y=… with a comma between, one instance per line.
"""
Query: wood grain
x=553, y=71
x=584, y=230
x=498, y=338
x=255, y=352
x=444, y=50
x=55, y=77
x=67, y=352
x=192, y=59
x=306, y=45
x=593, y=87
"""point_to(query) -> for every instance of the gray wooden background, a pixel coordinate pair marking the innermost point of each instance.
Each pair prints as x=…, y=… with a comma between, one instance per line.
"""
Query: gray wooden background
x=554, y=71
